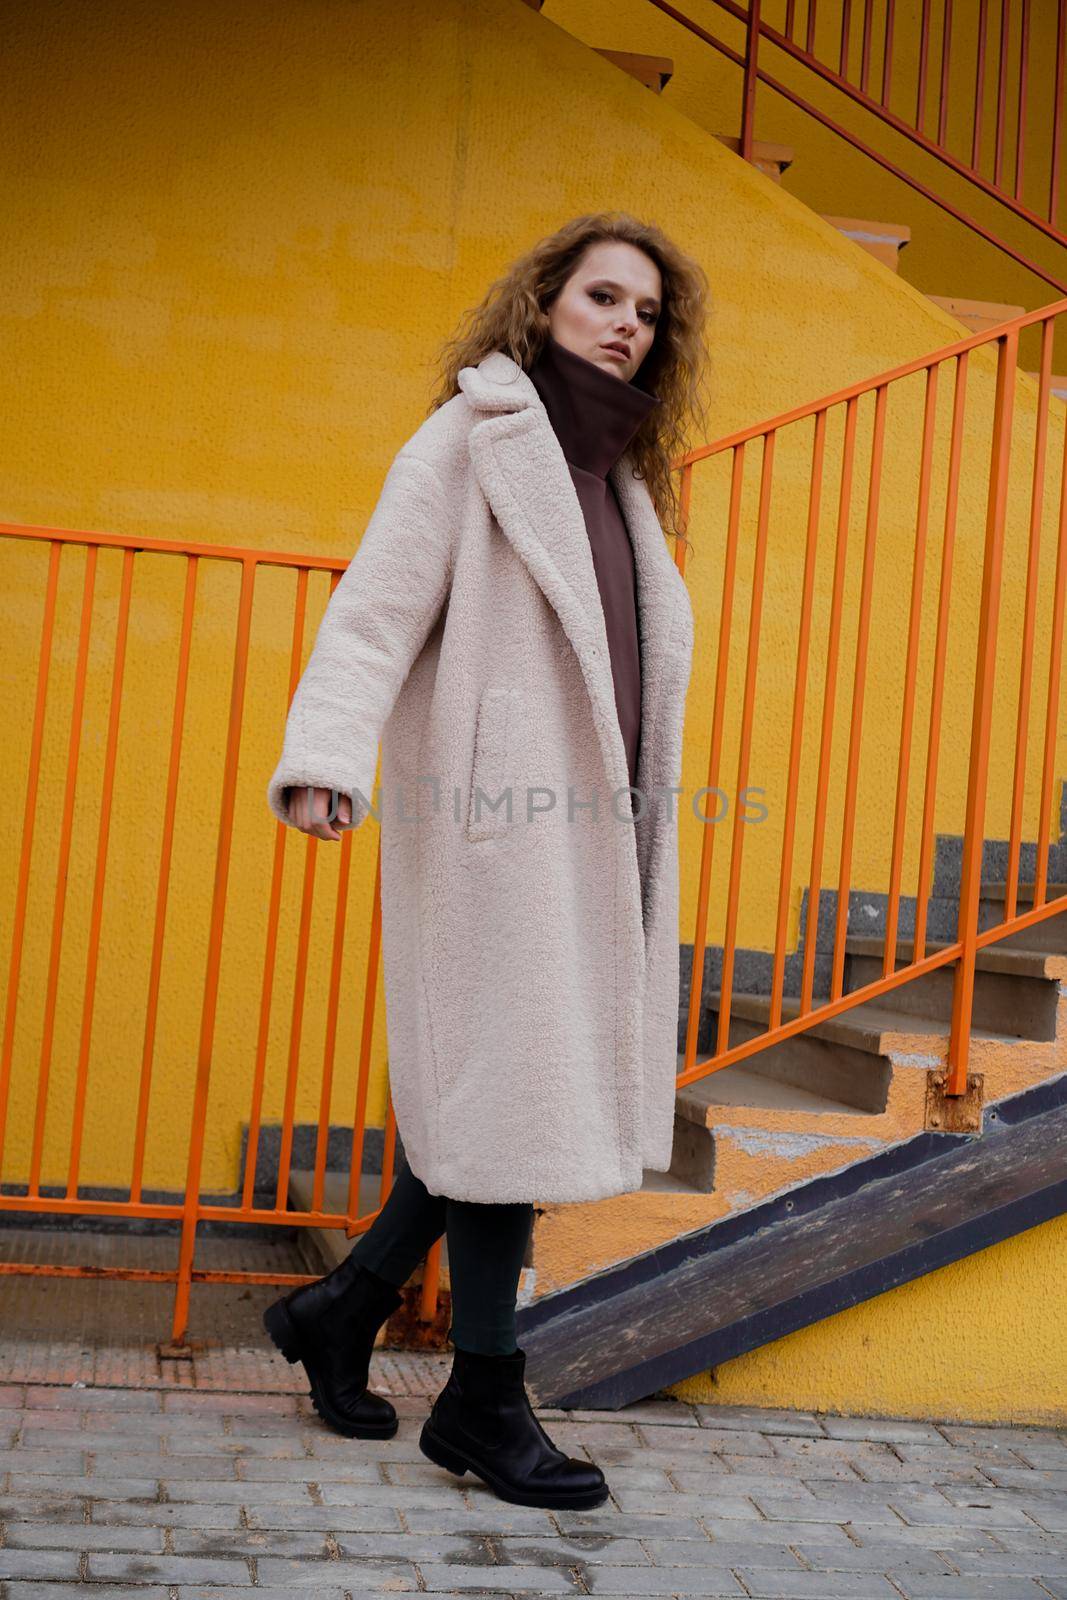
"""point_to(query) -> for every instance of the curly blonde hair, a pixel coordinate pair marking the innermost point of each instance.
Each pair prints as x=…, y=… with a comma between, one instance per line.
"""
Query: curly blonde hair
x=512, y=316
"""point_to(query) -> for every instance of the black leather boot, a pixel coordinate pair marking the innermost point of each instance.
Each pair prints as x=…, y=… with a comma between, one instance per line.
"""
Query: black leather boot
x=483, y=1421
x=330, y=1327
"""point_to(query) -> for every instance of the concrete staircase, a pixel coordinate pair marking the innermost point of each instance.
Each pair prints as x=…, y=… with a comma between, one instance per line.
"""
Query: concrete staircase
x=845, y=1089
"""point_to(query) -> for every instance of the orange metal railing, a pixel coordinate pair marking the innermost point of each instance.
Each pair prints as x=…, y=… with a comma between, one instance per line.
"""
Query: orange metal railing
x=752, y=561
x=847, y=57
x=800, y=437
x=28, y=1195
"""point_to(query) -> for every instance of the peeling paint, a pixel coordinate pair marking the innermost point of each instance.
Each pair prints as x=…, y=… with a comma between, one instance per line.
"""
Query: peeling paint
x=763, y=1141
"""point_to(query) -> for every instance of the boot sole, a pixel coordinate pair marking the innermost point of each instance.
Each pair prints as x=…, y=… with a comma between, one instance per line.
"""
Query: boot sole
x=447, y=1456
x=286, y=1336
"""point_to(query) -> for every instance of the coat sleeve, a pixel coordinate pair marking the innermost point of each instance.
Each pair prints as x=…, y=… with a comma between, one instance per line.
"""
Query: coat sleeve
x=374, y=626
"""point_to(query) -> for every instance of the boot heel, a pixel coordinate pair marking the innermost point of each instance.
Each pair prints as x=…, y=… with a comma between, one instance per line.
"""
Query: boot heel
x=440, y=1453
x=279, y=1324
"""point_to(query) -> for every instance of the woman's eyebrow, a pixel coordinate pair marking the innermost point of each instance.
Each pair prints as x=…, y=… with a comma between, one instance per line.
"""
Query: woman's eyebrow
x=609, y=283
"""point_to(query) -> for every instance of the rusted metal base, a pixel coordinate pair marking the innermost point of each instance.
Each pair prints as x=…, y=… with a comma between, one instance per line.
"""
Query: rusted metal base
x=953, y=1113
x=405, y=1329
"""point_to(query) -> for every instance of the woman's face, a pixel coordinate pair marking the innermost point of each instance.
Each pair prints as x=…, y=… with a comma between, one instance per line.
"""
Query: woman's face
x=611, y=298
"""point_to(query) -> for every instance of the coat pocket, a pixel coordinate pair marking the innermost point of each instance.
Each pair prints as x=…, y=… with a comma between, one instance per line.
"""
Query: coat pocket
x=492, y=803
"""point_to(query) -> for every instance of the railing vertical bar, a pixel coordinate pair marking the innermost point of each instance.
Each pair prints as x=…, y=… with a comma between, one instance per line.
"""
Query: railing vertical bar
x=170, y=805
x=809, y=38
x=796, y=736
x=911, y=667
x=937, y=690
x=270, y=954
x=29, y=817
x=191, y=1205
x=370, y=994
x=296, y=1021
x=985, y=669
x=924, y=68
x=1024, y=85
x=1052, y=708
x=1026, y=646
x=1002, y=72
x=329, y=1049
x=62, y=865
x=826, y=737
x=887, y=52
x=729, y=942
x=865, y=66
x=946, y=63
x=750, y=79
x=718, y=717
x=848, y=820
x=846, y=29
x=1058, y=98
x=979, y=87
x=81, y=1071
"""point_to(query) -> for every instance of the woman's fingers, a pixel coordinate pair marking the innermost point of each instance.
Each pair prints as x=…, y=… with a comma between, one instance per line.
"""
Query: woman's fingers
x=310, y=810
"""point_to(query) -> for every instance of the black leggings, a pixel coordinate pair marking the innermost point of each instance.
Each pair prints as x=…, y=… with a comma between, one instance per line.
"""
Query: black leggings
x=486, y=1245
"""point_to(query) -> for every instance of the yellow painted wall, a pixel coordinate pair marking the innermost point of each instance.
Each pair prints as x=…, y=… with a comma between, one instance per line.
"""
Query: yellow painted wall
x=225, y=269
x=978, y=1341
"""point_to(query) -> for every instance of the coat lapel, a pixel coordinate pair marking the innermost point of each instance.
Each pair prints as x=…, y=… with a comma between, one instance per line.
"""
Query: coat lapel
x=525, y=477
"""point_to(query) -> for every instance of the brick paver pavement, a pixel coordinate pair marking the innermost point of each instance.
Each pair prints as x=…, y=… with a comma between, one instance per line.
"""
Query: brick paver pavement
x=195, y=1485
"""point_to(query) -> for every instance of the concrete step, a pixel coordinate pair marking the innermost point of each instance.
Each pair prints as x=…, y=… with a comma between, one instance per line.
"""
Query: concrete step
x=1016, y=990
x=882, y=240
x=1050, y=934
x=1058, y=383
x=977, y=315
x=769, y=158
x=654, y=72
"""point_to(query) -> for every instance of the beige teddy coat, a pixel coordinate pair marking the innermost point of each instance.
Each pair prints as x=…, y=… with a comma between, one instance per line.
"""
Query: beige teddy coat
x=532, y=961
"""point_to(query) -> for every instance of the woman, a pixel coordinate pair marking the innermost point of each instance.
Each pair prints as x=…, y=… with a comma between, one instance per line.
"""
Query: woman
x=515, y=633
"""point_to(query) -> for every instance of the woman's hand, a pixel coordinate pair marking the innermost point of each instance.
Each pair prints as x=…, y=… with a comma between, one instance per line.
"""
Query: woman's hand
x=309, y=809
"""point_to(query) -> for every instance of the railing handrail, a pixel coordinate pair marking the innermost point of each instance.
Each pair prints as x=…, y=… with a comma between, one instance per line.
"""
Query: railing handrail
x=852, y=391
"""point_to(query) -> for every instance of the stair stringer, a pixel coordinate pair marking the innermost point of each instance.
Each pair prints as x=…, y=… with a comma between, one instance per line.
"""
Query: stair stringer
x=839, y=1239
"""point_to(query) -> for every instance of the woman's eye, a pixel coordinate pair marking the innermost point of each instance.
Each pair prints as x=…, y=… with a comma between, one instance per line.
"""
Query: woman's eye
x=651, y=316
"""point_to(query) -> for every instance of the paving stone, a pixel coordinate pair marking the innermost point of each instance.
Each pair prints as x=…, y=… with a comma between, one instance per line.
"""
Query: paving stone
x=362, y=1575
x=482, y=1515
x=160, y=1514
x=80, y=1536
x=678, y=1504
x=721, y=1553
x=99, y=1591
x=738, y=1441
x=170, y=1569
x=755, y=1419
x=438, y=1578
x=608, y=1521
x=891, y=1430
x=714, y=1582
x=225, y=1543
x=92, y=1488
x=465, y=1550
x=589, y=1550
x=764, y=1584
x=875, y=1556
x=1014, y=1562
x=16, y=1563
x=338, y=1519
x=923, y=1586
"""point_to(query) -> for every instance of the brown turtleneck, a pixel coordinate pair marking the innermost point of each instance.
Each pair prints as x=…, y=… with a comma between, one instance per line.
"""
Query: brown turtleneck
x=594, y=415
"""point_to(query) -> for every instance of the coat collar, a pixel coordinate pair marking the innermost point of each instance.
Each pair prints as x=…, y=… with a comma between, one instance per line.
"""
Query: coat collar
x=525, y=477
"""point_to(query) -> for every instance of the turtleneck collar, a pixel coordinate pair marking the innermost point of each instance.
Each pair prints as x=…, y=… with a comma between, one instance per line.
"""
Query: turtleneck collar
x=593, y=414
